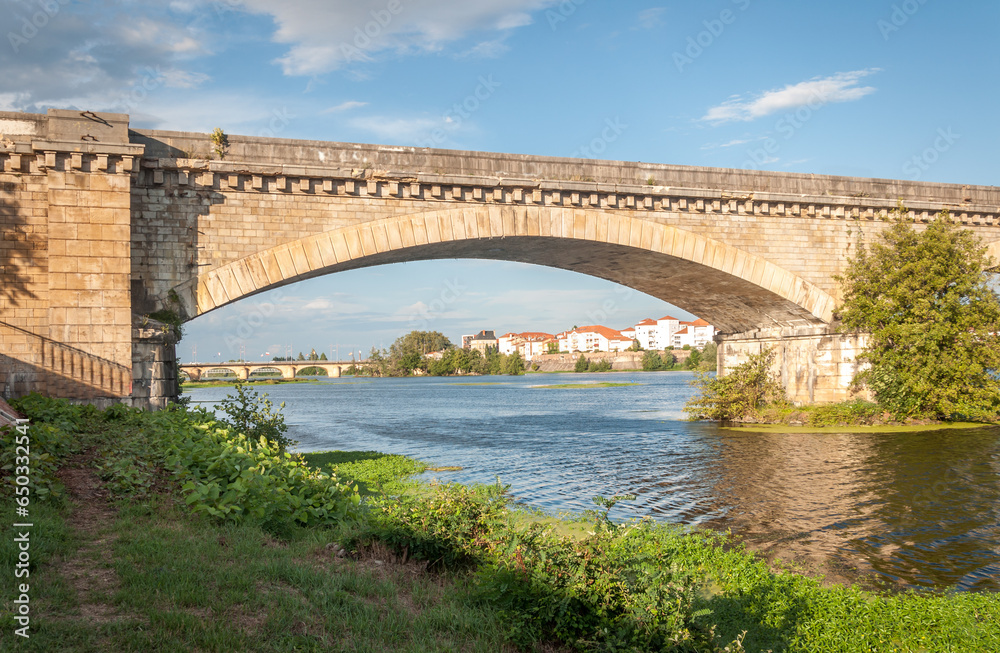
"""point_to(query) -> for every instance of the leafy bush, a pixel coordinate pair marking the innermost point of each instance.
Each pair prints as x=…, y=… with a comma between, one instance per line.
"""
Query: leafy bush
x=254, y=416
x=52, y=435
x=369, y=469
x=741, y=394
x=582, y=365
x=857, y=411
x=619, y=589
x=55, y=412
x=230, y=478
x=451, y=526
x=709, y=357
x=603, y=365
x=651, y=361
x=220, y=472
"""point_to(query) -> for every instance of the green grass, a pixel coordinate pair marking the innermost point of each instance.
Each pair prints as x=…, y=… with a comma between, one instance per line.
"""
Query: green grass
x=181, y=580
x=186, y=583
x=372, y=471
x=898, y=428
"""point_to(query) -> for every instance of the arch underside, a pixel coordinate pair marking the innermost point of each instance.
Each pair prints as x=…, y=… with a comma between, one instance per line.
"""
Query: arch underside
x=731, y=289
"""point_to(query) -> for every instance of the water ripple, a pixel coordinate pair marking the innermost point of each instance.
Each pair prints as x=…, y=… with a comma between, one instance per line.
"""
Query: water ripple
x=915, y=510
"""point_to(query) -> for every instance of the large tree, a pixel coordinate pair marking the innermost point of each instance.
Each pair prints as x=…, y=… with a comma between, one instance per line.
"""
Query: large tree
x=420, y=343
x=933, y=322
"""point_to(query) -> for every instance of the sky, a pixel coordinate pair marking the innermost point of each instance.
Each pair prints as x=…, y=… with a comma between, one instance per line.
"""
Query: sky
x=903, y=89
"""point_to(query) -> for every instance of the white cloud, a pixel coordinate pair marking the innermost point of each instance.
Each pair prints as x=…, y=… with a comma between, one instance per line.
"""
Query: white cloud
x=325, y=34
x=345, y=106
x=841, y=87
x=319, y=305
x=400, y=131
x=651, y=18
x=732, y=143
x=487, y=49
x=96, y=55
x=174, y=78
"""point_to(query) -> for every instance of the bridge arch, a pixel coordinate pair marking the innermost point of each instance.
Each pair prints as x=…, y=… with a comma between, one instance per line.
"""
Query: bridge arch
x=733, y=289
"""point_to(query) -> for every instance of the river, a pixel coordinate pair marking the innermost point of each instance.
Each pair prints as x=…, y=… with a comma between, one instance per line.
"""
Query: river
x=903, y=510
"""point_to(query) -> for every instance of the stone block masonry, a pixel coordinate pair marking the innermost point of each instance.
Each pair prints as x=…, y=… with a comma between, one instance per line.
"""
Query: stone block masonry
x=66, y=309
x=103, y=225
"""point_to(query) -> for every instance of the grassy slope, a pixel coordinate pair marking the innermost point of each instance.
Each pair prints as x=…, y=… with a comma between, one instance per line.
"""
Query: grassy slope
x=158, y=578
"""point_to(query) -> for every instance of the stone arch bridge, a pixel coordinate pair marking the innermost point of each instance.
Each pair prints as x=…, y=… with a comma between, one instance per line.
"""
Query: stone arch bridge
x=105, y=226
x=287, y=370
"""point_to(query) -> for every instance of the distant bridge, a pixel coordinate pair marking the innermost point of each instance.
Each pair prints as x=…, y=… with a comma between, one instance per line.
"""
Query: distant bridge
x=288, y=370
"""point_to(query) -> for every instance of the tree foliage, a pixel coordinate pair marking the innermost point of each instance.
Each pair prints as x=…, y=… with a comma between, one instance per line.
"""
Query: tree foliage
x=709, y=357
x=923, y=298
x=740, y=394
x=420, y=343
x=513, y=365
x=652, y=360
x=254, y=416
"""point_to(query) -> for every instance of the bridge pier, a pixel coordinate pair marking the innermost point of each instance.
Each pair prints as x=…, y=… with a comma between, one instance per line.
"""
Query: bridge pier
x=288, y=372
x=815, y=364
x=154, y=365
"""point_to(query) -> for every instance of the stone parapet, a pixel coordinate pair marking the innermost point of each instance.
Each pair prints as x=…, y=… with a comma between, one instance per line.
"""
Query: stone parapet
x=411, y=160
x=334, y=181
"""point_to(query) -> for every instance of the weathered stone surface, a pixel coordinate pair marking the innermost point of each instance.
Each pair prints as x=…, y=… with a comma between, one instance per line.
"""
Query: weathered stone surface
x=100, y=222
x=815, y=364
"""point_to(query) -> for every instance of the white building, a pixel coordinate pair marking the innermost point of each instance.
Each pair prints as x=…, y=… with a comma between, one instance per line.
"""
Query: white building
x=695, y=334
x=534, y=343
x=509, y=342
x=645, y=333
x=666, y=327
x=594, y=338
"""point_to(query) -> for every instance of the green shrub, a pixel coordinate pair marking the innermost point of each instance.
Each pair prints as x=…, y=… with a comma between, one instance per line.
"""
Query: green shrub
x=603, y=365
x=50, y=436
x=741, y=394
x=451, y=526
x=254, y=416
x=618, y=589
x=226, y=476
x=854, y=412
x=651, y=361
x=582, y=365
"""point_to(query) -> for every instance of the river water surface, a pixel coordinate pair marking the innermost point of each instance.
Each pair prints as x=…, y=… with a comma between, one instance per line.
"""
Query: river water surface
x=918, y=510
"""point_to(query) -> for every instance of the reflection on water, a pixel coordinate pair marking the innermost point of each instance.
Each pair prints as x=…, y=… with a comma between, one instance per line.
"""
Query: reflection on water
x=909, y=509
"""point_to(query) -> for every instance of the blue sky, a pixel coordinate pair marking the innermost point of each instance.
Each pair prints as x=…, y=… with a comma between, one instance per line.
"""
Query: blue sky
x=897, y=89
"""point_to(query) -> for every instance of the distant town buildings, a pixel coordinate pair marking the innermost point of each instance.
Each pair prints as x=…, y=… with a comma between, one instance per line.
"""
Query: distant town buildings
x=482, y=341
x=665, y=333
x=593, y=338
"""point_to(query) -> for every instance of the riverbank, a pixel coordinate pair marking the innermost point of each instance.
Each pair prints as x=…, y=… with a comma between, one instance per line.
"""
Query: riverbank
x=854, y=416
x=141, y=547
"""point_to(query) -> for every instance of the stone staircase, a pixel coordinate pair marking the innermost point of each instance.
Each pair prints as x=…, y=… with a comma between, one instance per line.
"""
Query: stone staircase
x=33, y=363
